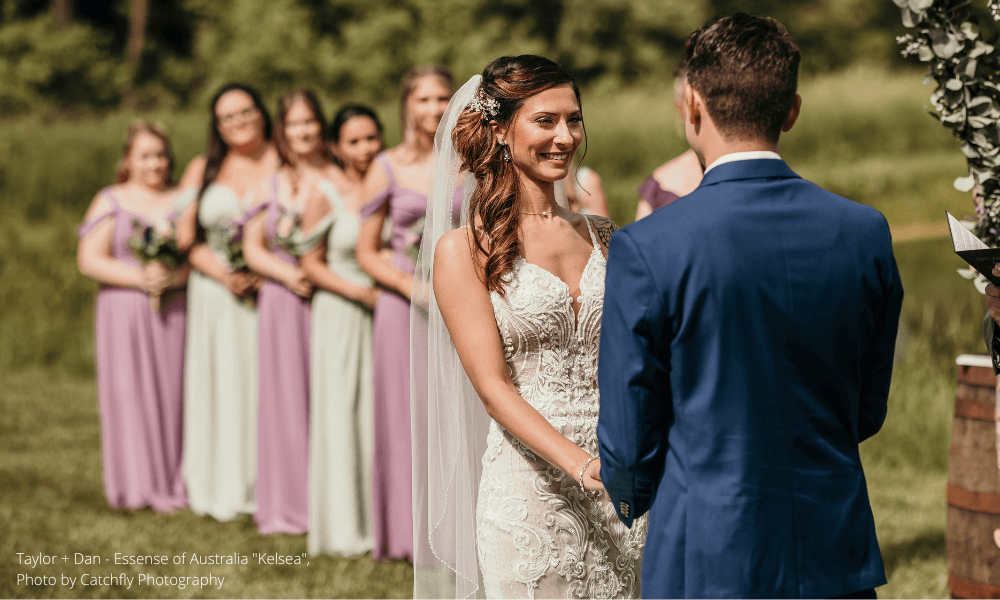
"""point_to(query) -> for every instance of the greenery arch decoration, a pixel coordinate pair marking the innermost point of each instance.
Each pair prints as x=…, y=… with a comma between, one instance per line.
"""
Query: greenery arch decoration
x=966, y=69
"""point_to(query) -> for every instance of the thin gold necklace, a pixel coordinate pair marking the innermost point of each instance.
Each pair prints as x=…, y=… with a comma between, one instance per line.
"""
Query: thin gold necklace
x=544, y=213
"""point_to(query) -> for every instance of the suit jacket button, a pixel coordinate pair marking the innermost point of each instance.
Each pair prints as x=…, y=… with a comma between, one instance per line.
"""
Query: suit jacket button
x=624, y=506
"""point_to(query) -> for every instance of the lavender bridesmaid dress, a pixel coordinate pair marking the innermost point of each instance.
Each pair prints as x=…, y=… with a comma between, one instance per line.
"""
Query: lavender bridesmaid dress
x=392, y=479
x=283, y=404
x=140, y=369
x=654, y=195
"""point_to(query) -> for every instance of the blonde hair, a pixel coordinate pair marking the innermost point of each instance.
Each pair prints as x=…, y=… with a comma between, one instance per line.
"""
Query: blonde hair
x=409, y=83
x=134, y=130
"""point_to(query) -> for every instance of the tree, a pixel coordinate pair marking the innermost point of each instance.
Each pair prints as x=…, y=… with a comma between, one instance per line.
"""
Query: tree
x=61, y=12
x=138, y=16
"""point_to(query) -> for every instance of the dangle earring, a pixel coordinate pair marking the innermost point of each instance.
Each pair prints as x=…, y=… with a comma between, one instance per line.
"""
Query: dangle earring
x=506, y=156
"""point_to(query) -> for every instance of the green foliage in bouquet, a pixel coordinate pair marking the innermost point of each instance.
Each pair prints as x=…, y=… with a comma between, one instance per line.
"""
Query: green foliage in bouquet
x=234, y=250
x=148, y=243
x=967, y=99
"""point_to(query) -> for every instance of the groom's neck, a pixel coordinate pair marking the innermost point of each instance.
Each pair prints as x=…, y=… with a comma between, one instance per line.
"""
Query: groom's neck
x=716, y=146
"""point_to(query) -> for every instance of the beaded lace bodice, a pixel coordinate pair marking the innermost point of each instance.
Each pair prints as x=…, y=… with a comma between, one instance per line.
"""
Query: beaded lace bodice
x=550, y=350
x=538, y=533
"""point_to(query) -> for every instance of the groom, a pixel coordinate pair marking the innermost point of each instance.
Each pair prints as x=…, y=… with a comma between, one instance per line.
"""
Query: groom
x=746, y=350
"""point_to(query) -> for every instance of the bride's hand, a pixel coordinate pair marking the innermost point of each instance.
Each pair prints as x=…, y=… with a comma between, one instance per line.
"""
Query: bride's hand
x=592, y=477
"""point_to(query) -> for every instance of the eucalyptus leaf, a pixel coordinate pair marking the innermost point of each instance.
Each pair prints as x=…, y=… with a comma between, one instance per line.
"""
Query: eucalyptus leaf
x=965, y=184
x=945, y=44
x=981, y=49
x=968, y=68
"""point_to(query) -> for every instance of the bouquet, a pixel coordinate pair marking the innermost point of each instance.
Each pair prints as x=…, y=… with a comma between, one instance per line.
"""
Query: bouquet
x=157, y=242
x=233, y=248
x=288, y=233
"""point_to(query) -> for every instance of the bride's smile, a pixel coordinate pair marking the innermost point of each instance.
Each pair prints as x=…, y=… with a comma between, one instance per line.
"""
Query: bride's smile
x=544, y=135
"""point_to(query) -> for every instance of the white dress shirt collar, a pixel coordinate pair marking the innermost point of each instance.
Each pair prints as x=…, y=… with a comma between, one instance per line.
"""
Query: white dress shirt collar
x=735, y=156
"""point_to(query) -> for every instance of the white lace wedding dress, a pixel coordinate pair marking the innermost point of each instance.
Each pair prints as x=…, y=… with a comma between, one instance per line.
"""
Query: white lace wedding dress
x=538, y=534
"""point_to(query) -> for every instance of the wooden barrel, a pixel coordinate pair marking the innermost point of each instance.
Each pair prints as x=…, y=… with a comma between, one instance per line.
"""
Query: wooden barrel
x=974, y=484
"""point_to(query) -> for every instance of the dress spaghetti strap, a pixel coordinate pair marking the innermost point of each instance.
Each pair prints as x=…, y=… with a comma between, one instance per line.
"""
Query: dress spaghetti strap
x=273, y=208
x=590, y=230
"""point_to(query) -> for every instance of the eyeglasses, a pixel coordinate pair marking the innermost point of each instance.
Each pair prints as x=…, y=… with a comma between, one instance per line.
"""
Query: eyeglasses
x=243, y=115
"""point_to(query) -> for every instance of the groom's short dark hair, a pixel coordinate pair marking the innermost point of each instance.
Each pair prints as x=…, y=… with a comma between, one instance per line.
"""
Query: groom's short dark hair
x=747, y=70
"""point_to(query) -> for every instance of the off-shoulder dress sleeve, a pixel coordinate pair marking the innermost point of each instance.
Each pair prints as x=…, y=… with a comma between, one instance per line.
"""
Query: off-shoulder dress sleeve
x=376, y=203
x=88, y=226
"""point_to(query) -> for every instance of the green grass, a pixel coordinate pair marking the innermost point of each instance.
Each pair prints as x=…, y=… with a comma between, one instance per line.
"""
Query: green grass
x=52, y=502
x=51, y=499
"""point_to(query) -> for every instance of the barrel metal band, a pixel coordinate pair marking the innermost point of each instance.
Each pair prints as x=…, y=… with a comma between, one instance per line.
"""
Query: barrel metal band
x=968, y=408
x=982, y=502
x=961, y=588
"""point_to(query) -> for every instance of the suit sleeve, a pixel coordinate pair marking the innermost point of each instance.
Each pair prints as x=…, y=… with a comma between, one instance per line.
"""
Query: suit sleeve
x=633, y=377
x=991, y=335
x=876, y=365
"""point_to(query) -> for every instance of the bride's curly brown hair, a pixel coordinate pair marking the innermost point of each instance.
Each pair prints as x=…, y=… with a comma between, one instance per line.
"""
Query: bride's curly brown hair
x=496, y=203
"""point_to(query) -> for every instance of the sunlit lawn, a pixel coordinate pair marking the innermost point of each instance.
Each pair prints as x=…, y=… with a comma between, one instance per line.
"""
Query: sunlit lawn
x=51, y=499
x=51, y=502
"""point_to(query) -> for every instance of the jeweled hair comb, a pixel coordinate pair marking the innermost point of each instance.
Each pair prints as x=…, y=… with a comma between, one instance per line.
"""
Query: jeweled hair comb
x=485, y=104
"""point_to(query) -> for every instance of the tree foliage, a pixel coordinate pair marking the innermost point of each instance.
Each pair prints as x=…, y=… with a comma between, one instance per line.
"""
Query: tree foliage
x=359, y=48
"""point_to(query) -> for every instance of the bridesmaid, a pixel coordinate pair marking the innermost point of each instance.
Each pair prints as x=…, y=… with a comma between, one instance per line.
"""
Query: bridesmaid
x=283, y=308
x=140, y=353
x=220, y=379
x=397, y=187
x=677, y=177
x=341, y=419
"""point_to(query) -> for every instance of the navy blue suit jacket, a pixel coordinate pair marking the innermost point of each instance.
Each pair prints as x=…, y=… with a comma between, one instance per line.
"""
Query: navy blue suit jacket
x=746, y=350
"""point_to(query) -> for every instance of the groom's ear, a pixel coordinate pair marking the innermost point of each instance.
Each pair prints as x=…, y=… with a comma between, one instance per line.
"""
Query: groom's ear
x=793, y=114
x=694, y=104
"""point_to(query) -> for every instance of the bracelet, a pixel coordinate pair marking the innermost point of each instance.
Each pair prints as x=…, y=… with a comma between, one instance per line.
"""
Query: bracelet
x=584, y=470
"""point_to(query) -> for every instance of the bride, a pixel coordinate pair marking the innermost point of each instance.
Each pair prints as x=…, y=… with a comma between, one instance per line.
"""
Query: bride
x=512, y=502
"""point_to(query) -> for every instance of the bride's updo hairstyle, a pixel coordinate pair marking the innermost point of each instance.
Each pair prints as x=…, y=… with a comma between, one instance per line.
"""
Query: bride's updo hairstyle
x=496, y=203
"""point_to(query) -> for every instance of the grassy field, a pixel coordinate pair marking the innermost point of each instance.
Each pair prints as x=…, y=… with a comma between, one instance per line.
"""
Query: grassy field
x=51, y=500
x=863, y=134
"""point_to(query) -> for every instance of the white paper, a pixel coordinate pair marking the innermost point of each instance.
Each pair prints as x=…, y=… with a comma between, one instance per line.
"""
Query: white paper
x=963, y=239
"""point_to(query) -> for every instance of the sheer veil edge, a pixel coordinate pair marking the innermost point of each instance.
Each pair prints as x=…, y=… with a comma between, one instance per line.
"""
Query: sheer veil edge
x=449, y=424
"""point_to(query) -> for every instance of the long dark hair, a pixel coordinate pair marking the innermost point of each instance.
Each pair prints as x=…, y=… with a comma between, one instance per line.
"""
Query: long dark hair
x=510, y=80
x=345, y=114
x=217, y=149
x=284, y=105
